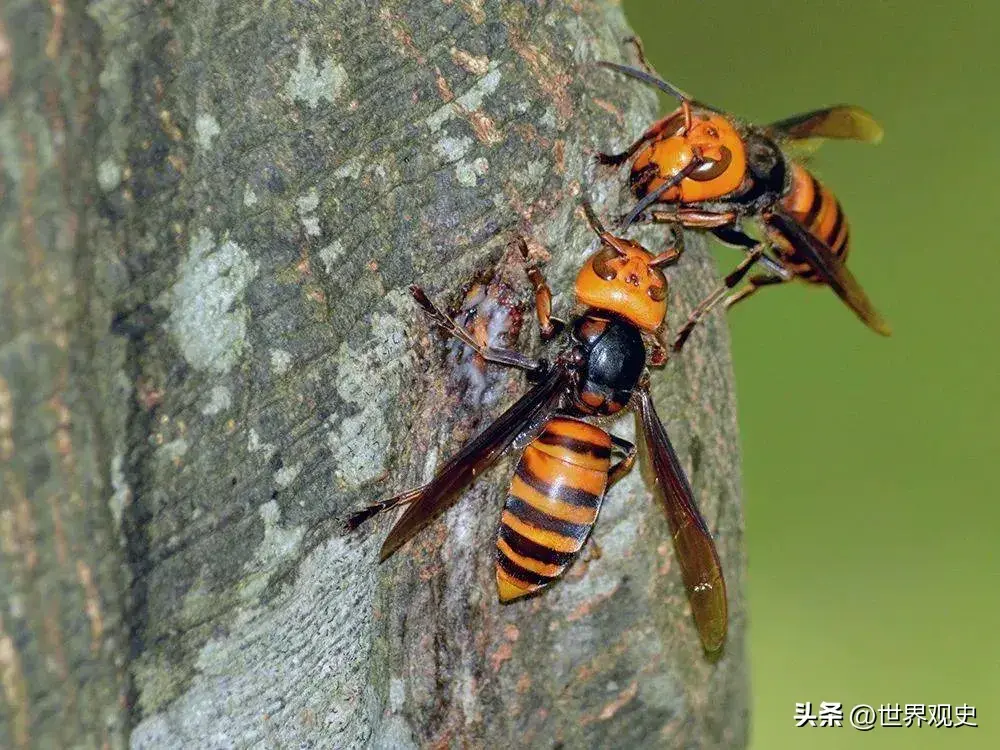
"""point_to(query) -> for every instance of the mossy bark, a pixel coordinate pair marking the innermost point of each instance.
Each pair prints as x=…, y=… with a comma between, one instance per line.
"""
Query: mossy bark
x=209, y=214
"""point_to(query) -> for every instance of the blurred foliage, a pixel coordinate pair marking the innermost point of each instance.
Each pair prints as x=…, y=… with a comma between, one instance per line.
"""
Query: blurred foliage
x=872, y=509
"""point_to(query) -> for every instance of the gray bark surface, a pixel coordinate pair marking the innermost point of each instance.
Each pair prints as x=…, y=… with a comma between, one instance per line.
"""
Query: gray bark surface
x=209, y=215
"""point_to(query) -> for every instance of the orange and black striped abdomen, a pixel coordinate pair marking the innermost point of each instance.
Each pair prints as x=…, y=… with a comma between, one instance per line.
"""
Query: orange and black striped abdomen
x=552, y=505
x=819, y=211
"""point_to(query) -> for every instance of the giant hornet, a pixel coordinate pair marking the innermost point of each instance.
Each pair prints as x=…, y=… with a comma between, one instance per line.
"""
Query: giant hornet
x=566, y=467
x=700, y=168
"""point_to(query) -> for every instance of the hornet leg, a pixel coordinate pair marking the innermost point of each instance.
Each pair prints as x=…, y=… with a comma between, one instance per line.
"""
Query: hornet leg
x=640, y=53
x=506, y=357
x=615, y=473
x=706, y=305
x=736, y=238
x=754, y=283
x=621, y=468
x=550, y=327
x=659, y=126
x=654, y=131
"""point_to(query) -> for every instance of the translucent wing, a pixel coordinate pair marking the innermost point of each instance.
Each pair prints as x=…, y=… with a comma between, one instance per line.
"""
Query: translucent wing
x=843, y=121
x=693, y=544
x=829, y=267
x=434, y=497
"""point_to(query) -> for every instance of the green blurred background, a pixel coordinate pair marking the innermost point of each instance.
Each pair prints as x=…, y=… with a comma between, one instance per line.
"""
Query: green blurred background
x=869, y=463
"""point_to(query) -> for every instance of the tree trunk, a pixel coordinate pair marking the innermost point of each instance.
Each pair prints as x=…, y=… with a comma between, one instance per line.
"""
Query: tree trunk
x=209, y=213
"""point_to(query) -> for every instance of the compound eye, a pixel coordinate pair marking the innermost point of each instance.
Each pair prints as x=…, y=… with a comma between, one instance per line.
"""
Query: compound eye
x=602, y=263
x=711, y=168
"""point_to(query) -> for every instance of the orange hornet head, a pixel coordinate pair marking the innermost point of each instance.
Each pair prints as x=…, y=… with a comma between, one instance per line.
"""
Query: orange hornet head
x=622, y=278
x=706, y=137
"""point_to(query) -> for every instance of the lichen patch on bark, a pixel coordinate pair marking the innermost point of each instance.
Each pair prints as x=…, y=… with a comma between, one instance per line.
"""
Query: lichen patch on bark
x=311, y=83
x=208, y=315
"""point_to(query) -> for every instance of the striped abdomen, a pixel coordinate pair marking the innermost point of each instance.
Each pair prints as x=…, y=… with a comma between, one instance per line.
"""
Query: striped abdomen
x=819, y=211
x=552, y=505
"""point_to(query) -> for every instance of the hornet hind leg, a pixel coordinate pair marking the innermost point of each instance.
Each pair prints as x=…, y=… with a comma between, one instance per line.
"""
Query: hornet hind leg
x=705, y=306
x=615, y=473
x=754, y=283
x=623, y=467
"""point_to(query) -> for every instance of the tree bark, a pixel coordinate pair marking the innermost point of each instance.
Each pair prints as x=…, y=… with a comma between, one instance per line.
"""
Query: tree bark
x=210, y=213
